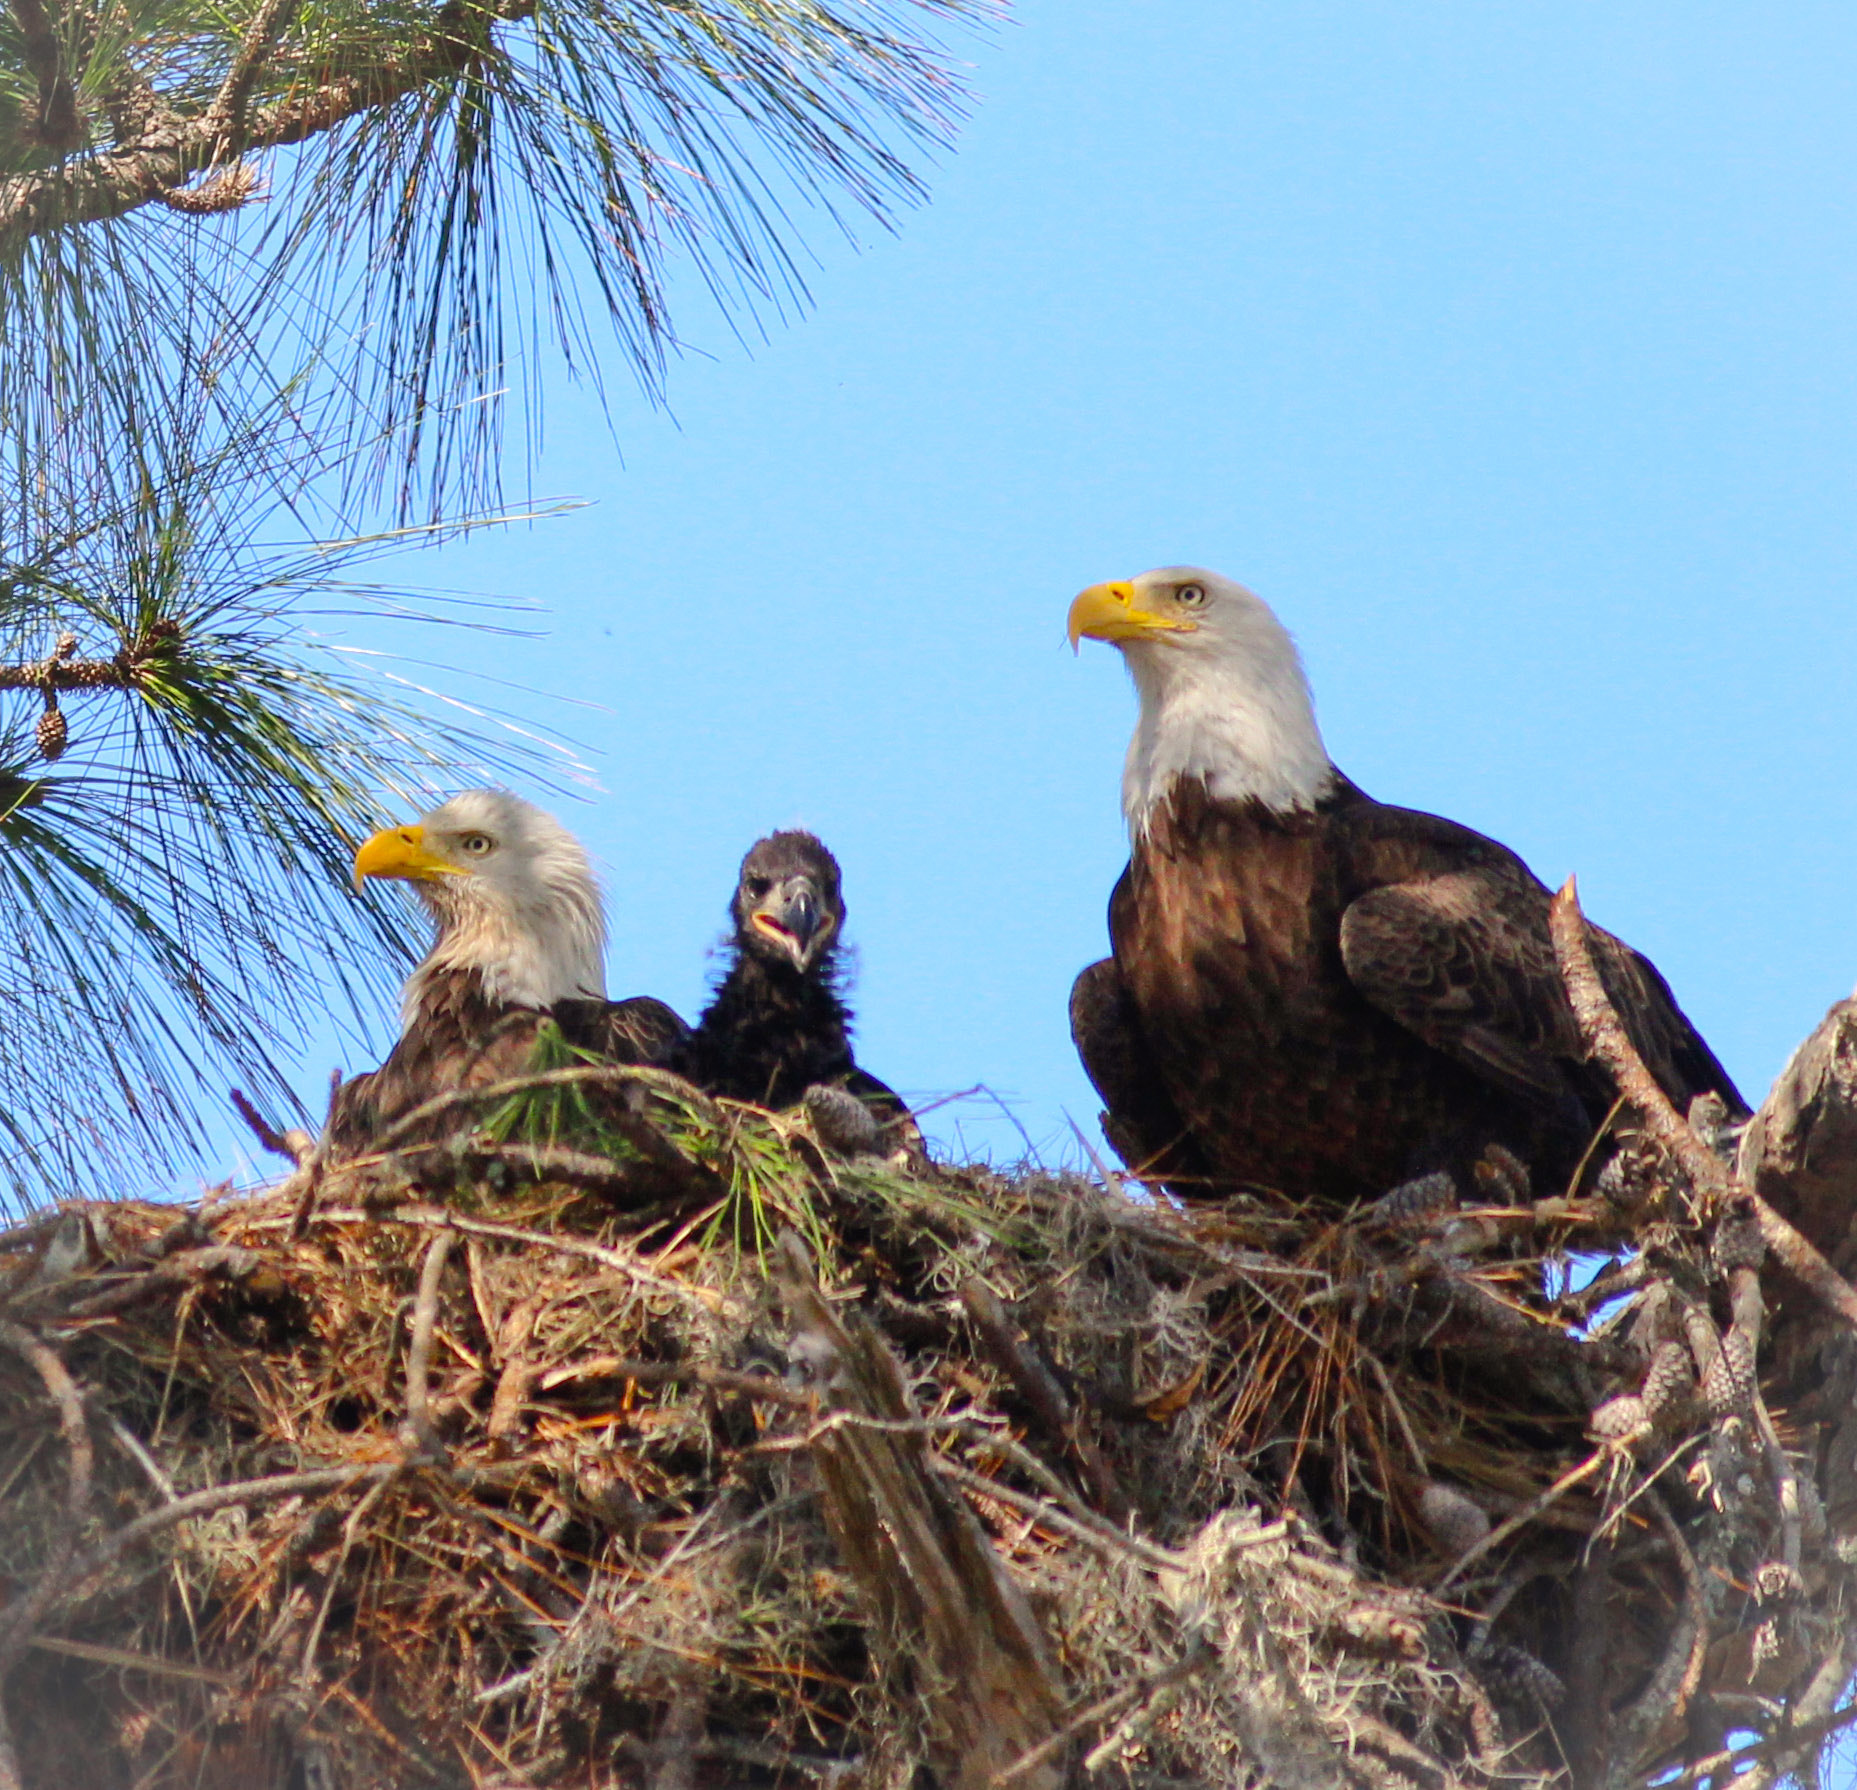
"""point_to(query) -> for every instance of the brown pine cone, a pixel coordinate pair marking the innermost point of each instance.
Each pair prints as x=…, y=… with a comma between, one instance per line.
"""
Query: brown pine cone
x=52, y=733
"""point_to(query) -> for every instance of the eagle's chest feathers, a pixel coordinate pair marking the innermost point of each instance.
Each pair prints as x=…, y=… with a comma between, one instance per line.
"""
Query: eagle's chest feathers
x=770, y=1034
x=1233, y=918
x=1227, y=932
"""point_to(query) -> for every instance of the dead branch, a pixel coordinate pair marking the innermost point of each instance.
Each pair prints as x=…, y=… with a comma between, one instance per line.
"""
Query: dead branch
x=68, y=1584
x=186, y=1267
x=1581, y=1723
x=1799, y=1152
x=463, y=1160
x=1605, y=1036
x=312, y=1172
x=1039, y=1388
x=1194, y=1661
x=22, y=1616
x=434, y=1217
x=351, y=1529
x=1095, y=1533
x=1522, y=1518
x=920, y=1559
x=1795, y=1738
x=293, y=1146
x=1666, y=1697
x=424, y=1437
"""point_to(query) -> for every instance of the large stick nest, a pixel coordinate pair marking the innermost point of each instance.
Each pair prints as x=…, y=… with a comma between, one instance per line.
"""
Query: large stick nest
x=686, y=1454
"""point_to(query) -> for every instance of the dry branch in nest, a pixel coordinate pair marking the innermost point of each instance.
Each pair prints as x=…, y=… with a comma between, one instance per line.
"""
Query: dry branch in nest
x=689, y=1454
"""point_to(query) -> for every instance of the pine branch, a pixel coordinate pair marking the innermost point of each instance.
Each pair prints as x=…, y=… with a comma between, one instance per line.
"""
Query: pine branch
x=59, y=126
x=174, y=894
x=425, y=161
x=174, y=146
x=128, y=670
x=261, y=38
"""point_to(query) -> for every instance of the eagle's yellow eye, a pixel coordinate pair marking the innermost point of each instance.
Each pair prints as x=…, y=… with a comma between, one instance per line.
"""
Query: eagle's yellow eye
x=1192, y=596
x=475, y=844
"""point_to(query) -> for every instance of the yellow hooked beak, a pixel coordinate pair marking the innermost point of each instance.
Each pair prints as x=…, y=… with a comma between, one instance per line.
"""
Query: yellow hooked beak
x=400, y=852
x=1108, y=612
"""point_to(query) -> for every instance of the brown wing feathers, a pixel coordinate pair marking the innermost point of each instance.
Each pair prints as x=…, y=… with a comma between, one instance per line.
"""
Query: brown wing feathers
x=460, y=1039
x=1327, y=1003
x=1141, y=1122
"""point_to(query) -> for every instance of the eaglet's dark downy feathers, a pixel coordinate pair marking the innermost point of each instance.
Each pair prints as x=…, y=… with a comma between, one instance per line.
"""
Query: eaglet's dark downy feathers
x=1311, y=991
x=778, y=1031
x=521, y=938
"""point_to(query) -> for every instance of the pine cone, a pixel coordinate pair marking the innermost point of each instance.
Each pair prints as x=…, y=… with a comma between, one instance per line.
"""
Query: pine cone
x=1515, y=1670
x=1503, y=1176
x=1456, y=1524
x=1775, y=1582
x=1667, y=1380
x=841, y=1121
x=1766, y=1643
x=1728, y=1386
x=1619, y=1419
x=52, y=733
x=1427, y=1197
x=1633, y=1177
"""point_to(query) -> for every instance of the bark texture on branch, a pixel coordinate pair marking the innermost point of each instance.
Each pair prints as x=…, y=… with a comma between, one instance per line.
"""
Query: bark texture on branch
x=167, y=147
x=1799, y=1153
x=1710, y=1177
x=58, y=125
x=944, y=1603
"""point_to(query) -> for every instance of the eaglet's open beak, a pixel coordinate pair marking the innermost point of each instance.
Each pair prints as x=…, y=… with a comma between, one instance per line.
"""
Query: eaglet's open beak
x=400, y=852
x=795, y=918
x=1109, y=612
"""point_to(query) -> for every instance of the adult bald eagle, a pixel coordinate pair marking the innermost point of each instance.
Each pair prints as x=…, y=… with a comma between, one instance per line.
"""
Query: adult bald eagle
x=1311, y=991
x=778, y=1030
x=521, y=934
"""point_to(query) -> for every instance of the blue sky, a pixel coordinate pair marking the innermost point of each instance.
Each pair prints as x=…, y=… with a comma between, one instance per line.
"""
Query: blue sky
x=1508, y=351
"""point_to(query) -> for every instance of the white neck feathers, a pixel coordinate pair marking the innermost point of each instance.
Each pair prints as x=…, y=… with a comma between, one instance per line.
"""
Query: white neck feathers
x=531, y=949
x=1228, y=704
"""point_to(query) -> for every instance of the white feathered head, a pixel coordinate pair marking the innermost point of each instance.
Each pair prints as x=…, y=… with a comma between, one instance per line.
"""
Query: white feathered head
x=1223, y=695
x=511, y=891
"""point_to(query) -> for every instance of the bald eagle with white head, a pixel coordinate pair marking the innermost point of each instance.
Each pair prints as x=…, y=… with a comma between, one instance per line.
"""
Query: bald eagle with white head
x=1311, y=991
x=521, y=938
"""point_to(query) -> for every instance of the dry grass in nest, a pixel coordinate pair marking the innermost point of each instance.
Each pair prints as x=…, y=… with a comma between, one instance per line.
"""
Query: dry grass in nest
x=736, y=1464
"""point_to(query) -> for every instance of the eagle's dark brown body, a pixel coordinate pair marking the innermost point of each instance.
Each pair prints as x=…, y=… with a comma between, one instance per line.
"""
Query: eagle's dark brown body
x=1330, y=1001
x=461, y=1039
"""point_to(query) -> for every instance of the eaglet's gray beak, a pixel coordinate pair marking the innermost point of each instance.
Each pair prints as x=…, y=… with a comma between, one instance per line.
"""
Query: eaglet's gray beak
x=794, y=917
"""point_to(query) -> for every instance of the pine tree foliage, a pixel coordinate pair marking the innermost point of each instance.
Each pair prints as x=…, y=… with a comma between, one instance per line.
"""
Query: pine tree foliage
x=184, y=771
x=358, y=221
x=448, y=187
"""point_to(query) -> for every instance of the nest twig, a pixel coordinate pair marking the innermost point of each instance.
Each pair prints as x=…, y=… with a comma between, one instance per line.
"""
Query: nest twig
x=477, y=1463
